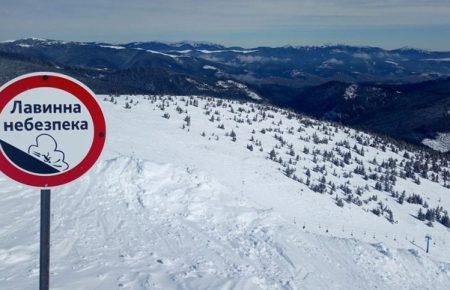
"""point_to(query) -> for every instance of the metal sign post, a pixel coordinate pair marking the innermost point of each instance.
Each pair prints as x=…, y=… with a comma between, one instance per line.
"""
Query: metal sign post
x=44, y=265
x=428, y=237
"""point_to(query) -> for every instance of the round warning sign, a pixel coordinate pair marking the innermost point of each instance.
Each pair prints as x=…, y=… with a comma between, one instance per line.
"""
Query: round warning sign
x=52, y=130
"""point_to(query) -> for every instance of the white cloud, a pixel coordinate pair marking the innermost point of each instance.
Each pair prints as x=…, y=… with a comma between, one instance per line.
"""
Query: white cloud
x=362, y=55
x=330, y=63
x=257, y=58
x=214, y=20
x=46, y=150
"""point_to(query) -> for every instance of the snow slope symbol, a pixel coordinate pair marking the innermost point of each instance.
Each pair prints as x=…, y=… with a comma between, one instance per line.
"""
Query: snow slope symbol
x=25, y=161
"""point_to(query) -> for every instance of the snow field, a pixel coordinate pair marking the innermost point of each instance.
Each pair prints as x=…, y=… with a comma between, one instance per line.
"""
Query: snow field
x=168, y=208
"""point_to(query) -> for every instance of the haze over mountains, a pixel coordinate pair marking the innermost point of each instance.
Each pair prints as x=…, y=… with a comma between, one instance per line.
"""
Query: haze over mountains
x=404, y=93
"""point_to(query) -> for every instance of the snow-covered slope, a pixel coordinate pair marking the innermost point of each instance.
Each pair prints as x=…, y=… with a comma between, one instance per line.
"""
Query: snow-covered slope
x=189, y=196
x=440, y=143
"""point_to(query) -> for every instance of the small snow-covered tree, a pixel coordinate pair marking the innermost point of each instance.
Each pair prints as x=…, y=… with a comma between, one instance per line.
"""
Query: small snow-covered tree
x=272, y=155
x=420, y=215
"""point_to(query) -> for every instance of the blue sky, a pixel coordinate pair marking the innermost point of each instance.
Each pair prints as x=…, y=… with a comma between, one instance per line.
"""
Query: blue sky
x=385, y=23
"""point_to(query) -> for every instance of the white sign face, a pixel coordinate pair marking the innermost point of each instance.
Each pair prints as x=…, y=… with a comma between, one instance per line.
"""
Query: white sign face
x=52, y=129
x=50, y=125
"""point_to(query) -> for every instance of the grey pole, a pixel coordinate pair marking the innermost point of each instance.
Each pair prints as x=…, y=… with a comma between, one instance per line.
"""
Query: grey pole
x=44, y=265
x=428, y=237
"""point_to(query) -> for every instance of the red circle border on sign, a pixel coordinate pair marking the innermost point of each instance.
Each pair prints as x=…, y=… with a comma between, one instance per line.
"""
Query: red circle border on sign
x=65, y=83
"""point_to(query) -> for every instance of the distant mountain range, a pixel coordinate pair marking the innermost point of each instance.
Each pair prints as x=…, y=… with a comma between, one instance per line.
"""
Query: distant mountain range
x=402, y=92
